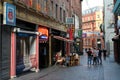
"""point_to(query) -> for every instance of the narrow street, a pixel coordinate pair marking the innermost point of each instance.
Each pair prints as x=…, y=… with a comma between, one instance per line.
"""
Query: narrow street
x=108, y=71
x=36, y=34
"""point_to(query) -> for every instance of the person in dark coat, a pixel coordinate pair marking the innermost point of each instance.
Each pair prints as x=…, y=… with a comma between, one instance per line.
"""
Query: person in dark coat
x=104, y=54
x=100, y=56
x=89, y=53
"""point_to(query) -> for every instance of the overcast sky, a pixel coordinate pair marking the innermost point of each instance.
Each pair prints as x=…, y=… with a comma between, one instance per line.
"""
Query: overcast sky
x=86, y=4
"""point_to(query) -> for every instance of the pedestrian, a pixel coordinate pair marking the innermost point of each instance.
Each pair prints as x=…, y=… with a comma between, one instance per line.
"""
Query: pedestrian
x=85, y=50
x=100, y=56
x=63, y=61
x=76, y=57
x=104, y=54
x=67, y=60
x=89, y=54
x=95, y=56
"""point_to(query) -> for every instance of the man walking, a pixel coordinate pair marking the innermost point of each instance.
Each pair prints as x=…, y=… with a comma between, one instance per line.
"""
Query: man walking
x=100, y=56
x=89, y=53
x=104, y=54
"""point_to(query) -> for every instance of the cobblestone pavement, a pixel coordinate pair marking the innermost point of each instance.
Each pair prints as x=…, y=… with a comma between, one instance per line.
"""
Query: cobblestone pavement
x=108, y=71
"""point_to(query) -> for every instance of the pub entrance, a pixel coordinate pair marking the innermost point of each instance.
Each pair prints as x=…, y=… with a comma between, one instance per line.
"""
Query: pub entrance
x=25, y=47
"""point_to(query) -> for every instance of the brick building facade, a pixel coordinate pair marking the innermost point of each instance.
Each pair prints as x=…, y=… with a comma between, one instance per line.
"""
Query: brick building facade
x=25, y=46
x=92, y=19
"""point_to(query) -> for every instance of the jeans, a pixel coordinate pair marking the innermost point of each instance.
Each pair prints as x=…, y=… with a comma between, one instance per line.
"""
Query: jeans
x=89, y=59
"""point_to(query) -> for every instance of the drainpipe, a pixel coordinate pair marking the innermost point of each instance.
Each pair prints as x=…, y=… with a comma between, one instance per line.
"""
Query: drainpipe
x=104, y=21
x=0, y=44
x=50, y=60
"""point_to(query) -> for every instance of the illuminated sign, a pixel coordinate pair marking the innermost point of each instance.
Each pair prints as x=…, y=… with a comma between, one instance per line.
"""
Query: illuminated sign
x=9, y=17
x=84, y=35
x=43, y=36
x=44, y=32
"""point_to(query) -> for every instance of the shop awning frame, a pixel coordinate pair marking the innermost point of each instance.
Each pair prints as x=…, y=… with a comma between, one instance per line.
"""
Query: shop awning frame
x=63, y=39
x=18, y=30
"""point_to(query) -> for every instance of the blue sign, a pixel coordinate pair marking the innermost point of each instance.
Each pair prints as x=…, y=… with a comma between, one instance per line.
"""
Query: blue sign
x=43, y=36
x=9, y=17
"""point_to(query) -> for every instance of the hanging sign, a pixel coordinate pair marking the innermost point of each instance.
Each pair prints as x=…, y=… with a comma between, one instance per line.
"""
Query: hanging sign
x=9, y=15
x=80, y=33
x=84, y=35
x=69, y=20
x=44, y=32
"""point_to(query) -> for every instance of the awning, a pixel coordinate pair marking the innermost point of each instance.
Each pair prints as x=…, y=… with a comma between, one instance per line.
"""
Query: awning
x=116, y=38
x=25, y=34
x=62, y=38
x=116, y=8
x=18, y=30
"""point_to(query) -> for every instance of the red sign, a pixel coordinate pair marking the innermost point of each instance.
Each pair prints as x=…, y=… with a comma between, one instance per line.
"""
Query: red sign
x=43, y=31
x=70, y=31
